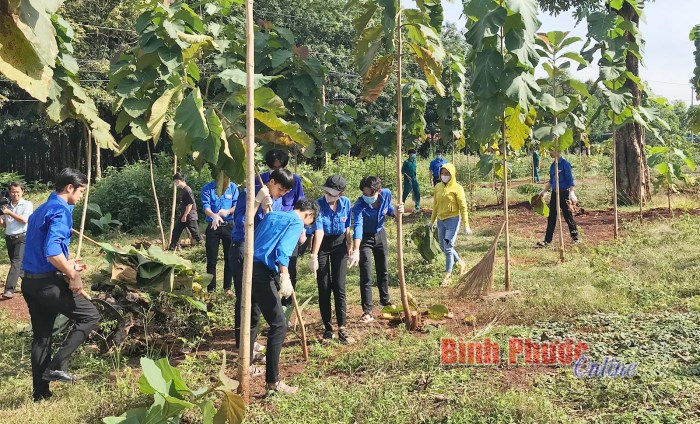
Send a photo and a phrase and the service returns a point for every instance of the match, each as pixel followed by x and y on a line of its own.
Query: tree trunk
pixel 174 204
pixel 505 203
pixel 633 182
pixel 155 196
pixel 246 289
pixel 98 164
pixel 399 177
pixel 615 179
pixel 88 146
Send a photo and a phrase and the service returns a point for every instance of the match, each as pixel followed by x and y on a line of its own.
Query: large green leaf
pixel 431 64
pixel 232 409
pixel 521 88
pixel 290 129
pixel 487 71
pixel 208 148
pixel 20 63
pixel 190 123
pixel 234 79
pixel 159 112
pixel 153 376
pixel 516 130
pixel 528 10
pixel 486 26
pixel 265 99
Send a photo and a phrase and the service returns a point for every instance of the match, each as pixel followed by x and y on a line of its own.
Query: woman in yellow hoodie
pixel 449 209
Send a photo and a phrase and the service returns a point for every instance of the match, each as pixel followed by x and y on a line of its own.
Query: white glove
pixel 542 193
pixel 266 204
pixel 313 263
pixel 433 225
pixel 468 231
pixel 572 197
pixel 400 208
pixel 262 194
pixel 216 221
pixel 224 212
pixel 355 258
pixel 286 288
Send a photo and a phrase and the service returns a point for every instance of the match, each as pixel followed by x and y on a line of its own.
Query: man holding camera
pixel 14 217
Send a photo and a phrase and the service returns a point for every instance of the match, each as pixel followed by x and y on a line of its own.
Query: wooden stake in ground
pixel 88 162
pixel 399 178
pixel 155 195
pixel 174 204
pixel 505 204
pixel 244 340
pixel 614 170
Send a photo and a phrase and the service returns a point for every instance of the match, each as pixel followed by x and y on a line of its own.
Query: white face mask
pixel 329 198
pixel 445 178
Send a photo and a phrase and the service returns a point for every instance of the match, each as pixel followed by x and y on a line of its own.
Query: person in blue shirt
pixel 219 211
pixel 51 284
pixel 369 240
pixel 279 159
pixel 275 240
pixel 331 247
pixel 435 166
pixel 410 179
pixel 566 196
pixel 536 165
pixel 268 197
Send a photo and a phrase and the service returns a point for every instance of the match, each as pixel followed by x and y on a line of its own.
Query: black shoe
pixel 344 336
pixel 58 375
pixel 328 335
pixel 38 397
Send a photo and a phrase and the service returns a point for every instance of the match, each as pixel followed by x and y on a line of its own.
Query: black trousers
pixel 236 262
pixel 374 245
pixel 265 300
pixel 221 235
pixel 47 298
pixel 566 212
pixel 330 277
pixel 191 225
pixel 15 251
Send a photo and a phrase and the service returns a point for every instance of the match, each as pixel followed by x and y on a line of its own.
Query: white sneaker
pixel 366 318
pixel 281 387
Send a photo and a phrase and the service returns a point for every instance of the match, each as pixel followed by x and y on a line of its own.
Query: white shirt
pixel 23 208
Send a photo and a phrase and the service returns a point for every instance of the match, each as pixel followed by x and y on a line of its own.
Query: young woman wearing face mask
pixel 368 215
pixel 449 209
pixel 331 247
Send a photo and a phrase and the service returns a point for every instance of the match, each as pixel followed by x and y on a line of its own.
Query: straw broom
pixel 479 279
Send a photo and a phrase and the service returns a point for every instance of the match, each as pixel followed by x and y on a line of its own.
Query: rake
pixel 479 279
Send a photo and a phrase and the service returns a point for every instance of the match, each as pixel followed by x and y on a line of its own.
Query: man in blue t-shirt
pixel 275 240
pixel 51 284
pixel 369 240
pixel 219 209
pixel 269 197
pixel 566 195
pixel 435 166
pixel 279 159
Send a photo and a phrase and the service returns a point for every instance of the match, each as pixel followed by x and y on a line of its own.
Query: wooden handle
pixel 304 347
pixel 86 237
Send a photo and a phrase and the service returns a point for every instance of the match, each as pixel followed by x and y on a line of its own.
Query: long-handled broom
pixel 479 279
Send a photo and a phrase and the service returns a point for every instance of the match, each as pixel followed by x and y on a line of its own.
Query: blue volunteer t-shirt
pixel 566 175
pixel 276 238
pixel 238 231
pixel 435 166
pixel 367 219
pixel 291 198
pixel 48 234
pixel 211 200
pixel 334 222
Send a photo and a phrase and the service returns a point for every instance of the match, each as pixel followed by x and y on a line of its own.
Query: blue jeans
pixel 447 233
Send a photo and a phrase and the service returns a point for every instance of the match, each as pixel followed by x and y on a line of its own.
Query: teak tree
pixel 381 30
pixel 502 36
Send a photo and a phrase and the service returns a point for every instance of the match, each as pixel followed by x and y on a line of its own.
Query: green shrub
pixel 528 189
pixel 126 192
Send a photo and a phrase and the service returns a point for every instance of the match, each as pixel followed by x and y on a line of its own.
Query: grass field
pixel 636 299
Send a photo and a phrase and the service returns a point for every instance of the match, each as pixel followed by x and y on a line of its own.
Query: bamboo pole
pixel 98 163
pixel 641 182
pixel 505 204
pixel 399 185
pixel 614 169
pixel 155 195
pixel 88 161
pixel 174 204
pixel 244 342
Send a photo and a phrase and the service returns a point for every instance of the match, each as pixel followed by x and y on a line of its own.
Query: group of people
pixel 344 233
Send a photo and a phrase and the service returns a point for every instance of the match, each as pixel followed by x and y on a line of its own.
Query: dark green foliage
pixel 126 193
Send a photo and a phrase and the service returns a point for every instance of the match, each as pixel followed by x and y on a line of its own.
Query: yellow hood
pixel 453 172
